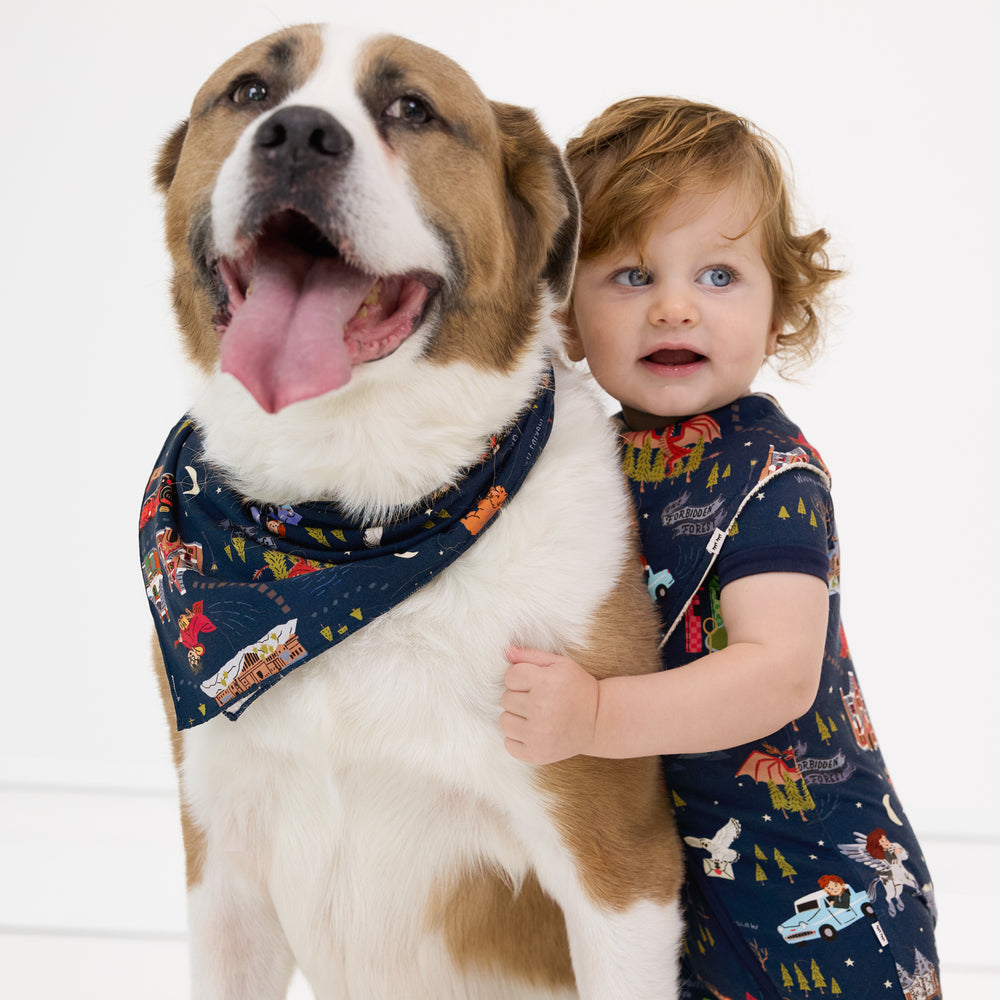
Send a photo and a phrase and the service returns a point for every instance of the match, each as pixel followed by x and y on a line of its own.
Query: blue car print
pixel 815 917
pixel 657 583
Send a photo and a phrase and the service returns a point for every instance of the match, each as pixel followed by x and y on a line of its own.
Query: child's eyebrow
pixel 731 246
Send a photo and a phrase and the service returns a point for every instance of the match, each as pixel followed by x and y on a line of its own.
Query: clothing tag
pixel 715 542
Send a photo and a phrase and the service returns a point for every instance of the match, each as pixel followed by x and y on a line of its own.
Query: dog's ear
pixel 170 154
pixel 542 197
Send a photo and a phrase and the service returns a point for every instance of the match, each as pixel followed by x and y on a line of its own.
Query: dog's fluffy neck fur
pixel 421 431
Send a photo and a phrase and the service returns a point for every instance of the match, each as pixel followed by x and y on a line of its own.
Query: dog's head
pixel 333 200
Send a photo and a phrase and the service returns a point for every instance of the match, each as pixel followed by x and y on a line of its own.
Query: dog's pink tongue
pixel 286 341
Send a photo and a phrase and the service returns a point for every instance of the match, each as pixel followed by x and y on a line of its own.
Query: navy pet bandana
pixel 242 593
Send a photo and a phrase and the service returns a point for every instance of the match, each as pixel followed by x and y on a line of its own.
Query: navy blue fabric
pixel 766 823
pixel 242 593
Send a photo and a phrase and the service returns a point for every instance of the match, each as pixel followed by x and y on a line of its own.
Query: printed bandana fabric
pixel 242 593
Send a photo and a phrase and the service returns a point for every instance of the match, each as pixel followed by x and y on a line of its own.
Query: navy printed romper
pixel 804 878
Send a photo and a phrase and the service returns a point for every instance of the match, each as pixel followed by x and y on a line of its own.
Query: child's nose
pixel 674 306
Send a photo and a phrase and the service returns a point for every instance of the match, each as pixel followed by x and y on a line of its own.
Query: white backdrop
pixel 889 118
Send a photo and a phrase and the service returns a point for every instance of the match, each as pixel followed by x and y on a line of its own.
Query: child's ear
pixel 570 337
pixel 771 346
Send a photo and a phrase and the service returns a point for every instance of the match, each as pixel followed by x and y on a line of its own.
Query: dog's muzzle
pixel 299 311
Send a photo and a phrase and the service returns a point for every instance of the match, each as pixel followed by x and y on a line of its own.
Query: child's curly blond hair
pixel 636 157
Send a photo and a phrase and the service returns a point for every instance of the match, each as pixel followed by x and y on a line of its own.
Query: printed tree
pixel 801 981
pixel 693 461
pixel 801 509
pixel 644 468
pixel 807 798
pixel 713 477
pixel 824 732
pixel 240 544
pixel 835 988
pixel 317 533
pixel 678 801
pixel 778 800
pixel 786 976
pixel 628 463
pixel 725 475
pixel 818 981
pixel 832 725
pixel 278 564
pixel 797 796
pixel 783 513
pixel 787 871
pixel 694 458
pixel 760 856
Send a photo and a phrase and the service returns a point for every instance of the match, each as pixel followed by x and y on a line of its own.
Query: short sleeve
pixel 785 527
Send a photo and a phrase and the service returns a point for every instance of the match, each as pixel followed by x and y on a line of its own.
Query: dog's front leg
pixel 237 948
pixel 616 873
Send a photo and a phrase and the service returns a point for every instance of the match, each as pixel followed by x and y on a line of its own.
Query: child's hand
pixel 550 707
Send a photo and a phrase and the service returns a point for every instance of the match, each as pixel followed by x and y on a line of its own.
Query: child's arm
pixel 766 676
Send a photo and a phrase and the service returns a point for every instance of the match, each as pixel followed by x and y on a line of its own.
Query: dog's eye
pixel 250 91
pixel 410 109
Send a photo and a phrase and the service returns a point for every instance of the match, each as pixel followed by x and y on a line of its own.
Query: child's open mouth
pixel 674 358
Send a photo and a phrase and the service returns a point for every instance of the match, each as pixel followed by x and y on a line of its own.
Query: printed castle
pixel 254 668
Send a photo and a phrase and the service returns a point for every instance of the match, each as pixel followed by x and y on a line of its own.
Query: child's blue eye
pixel 634 277
pixel 716 277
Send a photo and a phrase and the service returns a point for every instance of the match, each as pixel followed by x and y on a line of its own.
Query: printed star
pixel 857 805
pixel 850 962
pixel 747 444
pixel 812 857
pixel 760 496
pixel 887 985
pixel 766 818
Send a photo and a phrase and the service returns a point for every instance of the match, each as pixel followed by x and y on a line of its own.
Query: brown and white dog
pixel 363 819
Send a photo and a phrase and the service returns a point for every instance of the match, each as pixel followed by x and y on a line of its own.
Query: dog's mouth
pixel 298 314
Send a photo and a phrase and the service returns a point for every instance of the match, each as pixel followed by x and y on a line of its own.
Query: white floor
pixel 92 903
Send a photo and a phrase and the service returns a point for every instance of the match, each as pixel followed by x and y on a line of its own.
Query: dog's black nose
pixel 300 130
